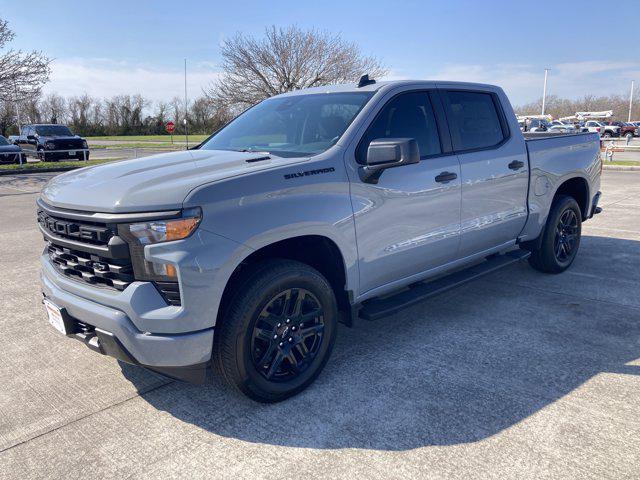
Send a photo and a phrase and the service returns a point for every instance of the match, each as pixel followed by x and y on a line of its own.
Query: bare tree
pixel 53 108
pixel 287 59
pixel 21 74
pixel 7 116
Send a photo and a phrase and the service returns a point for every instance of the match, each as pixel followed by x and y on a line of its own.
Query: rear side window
pixel 474 120
pixel 408 115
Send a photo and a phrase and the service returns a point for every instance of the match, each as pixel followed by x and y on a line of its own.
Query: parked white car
pixel 605 131
pixel 562 127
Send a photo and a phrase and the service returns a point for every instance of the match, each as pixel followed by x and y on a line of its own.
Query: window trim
pixel 504 125
pixel 442 128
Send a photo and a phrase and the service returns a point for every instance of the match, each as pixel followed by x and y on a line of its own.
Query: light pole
pixel 630 101
pixel 186 127
pixel 544 90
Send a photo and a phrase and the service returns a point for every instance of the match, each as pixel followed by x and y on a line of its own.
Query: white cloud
pixel 105 78
pixel 523 82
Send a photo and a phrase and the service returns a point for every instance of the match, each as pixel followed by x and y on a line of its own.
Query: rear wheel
pixel 561 237
pixel 607 135
pixel 278 331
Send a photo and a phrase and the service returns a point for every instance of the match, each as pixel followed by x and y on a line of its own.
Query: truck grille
pixel 92 269
pixel 92 252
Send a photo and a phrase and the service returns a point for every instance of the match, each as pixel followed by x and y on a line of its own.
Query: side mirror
pixel 386 153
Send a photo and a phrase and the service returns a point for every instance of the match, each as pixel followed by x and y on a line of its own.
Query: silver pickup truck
pixel 311 208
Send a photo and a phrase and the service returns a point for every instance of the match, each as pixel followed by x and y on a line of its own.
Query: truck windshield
pixel 293 126
pixel 53 130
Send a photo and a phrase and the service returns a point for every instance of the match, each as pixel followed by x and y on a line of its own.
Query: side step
pixel 381 307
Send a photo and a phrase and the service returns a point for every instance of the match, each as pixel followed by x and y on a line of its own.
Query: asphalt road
pixel 517 375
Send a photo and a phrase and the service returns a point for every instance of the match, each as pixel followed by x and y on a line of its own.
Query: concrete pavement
pixel 517 375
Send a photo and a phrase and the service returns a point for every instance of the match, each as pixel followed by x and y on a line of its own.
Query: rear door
pixel 408 222
pixel 494 169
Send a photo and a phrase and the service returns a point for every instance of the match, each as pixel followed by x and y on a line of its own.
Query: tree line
pixel 564 107
pixel 118 115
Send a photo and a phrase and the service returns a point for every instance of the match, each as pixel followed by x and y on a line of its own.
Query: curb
pixel 622 168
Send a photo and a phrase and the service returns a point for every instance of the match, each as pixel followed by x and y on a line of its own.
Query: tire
pixel 607 135
pixel 629 136
pixel 82 158
pixel 260 343
pixel 559 244
pixel 41 155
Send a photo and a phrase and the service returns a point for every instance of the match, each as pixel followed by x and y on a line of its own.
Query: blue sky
pixel 138 46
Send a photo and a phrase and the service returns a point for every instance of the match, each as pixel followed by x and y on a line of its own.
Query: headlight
pixel 85 145
pixel 138 235
pixel 157 231
pixel 49 145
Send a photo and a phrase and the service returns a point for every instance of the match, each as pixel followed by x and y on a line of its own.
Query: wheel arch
pixel 317 251
pixel 578 188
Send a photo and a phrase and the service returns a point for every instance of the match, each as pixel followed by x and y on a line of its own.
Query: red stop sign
pixel 170 126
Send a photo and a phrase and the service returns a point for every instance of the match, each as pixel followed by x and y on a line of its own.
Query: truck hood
pixel 158 182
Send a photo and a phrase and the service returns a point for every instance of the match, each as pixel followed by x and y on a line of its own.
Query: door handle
pixel 446 177
pixel 516 165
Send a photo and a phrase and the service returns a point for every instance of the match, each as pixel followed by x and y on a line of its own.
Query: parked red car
pixel 625 128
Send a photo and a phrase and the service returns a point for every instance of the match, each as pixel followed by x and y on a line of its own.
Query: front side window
pixel 474 120
pixel 293 126
pixel 408 115
pixel 3 141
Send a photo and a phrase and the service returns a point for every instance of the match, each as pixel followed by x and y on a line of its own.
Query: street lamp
pixel 544 90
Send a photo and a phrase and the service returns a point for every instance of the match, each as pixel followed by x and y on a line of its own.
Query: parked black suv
pixel 52 142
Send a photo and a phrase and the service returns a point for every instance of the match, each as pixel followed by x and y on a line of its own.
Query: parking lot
pixel 517 375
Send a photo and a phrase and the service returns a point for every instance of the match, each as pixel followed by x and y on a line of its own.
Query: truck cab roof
pixel 379 85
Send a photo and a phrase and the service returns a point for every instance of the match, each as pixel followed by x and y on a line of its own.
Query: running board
pixel 381 307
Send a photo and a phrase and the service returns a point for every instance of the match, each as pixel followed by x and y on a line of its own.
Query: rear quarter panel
pixel 554 160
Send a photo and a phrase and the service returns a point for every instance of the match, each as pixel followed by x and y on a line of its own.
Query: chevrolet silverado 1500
pixel 310 208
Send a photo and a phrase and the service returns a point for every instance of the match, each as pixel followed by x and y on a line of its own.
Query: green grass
pixel 44 165
pixel 119 145
pixel 150 138
pixel 623 162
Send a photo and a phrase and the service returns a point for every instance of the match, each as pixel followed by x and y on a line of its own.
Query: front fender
pixel 260 209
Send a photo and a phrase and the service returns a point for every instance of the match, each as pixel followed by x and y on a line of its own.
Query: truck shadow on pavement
pixel 454 369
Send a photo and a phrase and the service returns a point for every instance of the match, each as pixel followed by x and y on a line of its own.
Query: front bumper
pixel 111 332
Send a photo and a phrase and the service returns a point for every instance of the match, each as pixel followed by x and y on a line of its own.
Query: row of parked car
pixel 48 142
pixel 605 129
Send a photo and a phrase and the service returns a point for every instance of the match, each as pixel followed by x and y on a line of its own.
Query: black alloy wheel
pixel 287 335
pixel 277 332
pixel 556 250
pixel 566 236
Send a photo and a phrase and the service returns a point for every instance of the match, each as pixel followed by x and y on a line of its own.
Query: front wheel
pixel 561 237
pixel 278 331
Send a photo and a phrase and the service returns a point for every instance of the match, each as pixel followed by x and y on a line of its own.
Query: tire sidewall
pixel 564 204
pixel 251 379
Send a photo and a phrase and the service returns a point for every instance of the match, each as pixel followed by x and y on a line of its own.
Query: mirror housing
pixel 386 153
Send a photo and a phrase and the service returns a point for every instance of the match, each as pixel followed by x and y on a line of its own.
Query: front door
pixel 409 221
